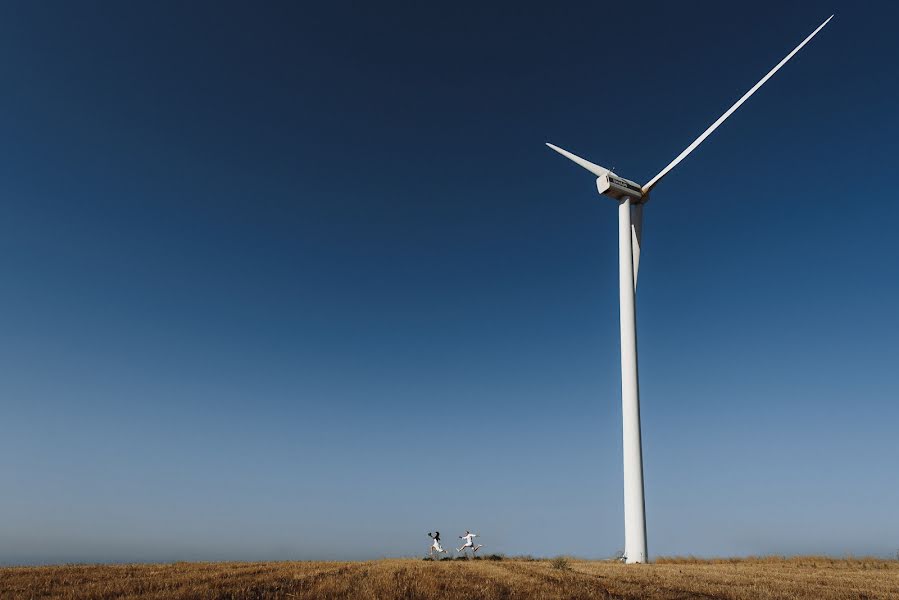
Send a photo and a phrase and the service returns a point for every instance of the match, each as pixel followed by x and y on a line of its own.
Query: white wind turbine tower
pixel 631 197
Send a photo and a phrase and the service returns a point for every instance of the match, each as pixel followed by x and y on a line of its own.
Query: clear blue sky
pixel 304 282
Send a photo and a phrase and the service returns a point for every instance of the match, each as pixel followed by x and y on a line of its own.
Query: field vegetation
pixel 818 578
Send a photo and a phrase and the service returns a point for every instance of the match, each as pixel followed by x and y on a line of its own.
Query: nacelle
pixel 618 188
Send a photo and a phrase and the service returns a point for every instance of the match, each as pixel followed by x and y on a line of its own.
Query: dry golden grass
pixel 816 578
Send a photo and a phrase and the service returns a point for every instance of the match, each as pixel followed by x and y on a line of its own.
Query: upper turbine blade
pixel 736 105
pixel 595 169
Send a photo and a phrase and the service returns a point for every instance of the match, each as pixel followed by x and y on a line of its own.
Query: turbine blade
pixel 595 169
pixel 730 111
pixel 636 238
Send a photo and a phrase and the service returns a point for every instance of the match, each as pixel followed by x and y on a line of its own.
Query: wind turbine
pixel 631 197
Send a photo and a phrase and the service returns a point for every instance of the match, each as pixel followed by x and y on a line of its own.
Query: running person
pixel 469 543
pixel 435 547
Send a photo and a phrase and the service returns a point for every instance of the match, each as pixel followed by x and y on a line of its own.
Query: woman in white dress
pixel 435 547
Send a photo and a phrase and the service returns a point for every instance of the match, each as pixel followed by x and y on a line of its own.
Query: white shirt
pixel 468 537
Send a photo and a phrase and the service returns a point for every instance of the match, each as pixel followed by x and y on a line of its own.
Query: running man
pixel 435 547
pixel 469 543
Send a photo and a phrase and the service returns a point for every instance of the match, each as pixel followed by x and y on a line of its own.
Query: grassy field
pixel 805 577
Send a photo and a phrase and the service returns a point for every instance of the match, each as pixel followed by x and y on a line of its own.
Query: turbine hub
pixel 619 188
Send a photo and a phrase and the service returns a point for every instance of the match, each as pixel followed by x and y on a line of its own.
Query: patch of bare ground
pixel 818 578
